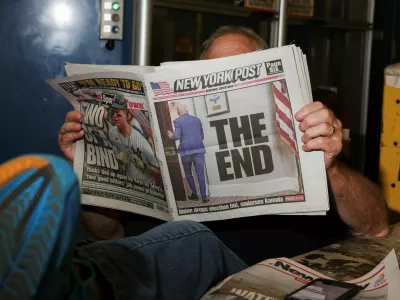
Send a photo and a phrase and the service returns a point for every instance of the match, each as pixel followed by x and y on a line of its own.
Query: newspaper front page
pixel 275 278
pixel 229 141
pixel 116 161
pixel 303 73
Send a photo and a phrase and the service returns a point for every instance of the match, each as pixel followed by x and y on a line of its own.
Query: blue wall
pixel 37 38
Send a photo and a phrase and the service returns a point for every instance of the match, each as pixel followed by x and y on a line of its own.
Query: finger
pixel 70 127
pixel 321 116
pixel 329 146
pixel 73 116
pixel 323 129
pixel 69 138
pixel 308 109
pixel 337 123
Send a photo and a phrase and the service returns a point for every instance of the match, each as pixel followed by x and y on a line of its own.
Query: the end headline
pixel 250 155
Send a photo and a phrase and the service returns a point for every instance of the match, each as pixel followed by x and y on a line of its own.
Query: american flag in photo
pixel 161 88
pixel 284 115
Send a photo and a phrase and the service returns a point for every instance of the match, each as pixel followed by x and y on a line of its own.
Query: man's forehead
pixel 229 45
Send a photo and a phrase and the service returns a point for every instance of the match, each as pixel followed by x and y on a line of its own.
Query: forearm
pixel 359 202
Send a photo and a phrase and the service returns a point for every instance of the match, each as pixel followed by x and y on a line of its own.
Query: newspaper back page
pixel 116 160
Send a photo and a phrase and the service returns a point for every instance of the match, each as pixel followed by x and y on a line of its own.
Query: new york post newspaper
pixel 116 160
pixel 227 138
pixel 274 278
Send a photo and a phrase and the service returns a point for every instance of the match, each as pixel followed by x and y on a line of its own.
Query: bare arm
pixel 359 202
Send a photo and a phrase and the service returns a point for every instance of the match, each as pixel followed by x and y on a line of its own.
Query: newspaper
pixel 202 140
pixel 274 278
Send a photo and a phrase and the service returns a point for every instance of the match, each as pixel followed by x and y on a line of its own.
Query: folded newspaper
pixel 274 278
pixel 204 140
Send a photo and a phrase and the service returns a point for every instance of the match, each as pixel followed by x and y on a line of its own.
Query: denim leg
pixel 178 260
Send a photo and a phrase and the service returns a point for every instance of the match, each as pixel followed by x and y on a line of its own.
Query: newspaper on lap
pixel 204 140
pixel 274 278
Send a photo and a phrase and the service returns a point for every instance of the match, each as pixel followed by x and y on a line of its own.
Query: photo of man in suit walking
pixel 189 131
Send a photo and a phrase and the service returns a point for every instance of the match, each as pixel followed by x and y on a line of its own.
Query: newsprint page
pixel 204 140
pixel 116 161
pixel 274 278
pixel 229 142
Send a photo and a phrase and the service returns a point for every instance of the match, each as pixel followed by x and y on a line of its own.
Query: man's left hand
pixel 322 130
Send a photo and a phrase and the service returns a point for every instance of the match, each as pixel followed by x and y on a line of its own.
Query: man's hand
pixel 69 133
pixel 170 134
pixel 322 130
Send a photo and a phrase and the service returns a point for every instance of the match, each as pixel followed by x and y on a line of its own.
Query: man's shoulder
pixel 187 118
pixel 178 119
pixel 113 132
pixel 137 136
pixel 192 118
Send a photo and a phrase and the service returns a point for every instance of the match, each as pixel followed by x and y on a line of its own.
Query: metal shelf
pixel 204 7
pixel 230 10
pixel 330 23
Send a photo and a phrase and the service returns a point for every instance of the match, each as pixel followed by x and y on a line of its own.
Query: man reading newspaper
pixel 358 203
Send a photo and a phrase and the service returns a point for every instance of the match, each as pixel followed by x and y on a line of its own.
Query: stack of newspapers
pixel 200 140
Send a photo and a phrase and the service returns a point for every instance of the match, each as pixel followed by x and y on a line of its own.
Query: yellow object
pixel 18 165
pixel 389 161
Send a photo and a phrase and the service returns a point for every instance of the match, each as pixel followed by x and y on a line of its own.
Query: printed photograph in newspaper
pixel 232 144
pixel 119 154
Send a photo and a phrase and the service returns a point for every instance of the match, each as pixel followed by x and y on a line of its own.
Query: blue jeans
pixel 198 161
pixel 177 260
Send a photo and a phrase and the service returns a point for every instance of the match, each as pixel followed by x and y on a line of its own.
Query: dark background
pixel 35 47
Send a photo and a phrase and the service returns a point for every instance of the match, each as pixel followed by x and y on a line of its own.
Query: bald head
pixel 182 109
pixel 230 41
pixel 230 45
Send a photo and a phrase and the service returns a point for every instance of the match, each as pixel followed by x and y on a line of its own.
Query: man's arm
pixel 149 158
pixel 178 131
pixel 359 202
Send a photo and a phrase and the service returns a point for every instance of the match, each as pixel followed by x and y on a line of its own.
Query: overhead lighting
pixel 61 14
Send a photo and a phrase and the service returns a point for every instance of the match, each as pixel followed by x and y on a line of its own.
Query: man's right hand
pixel 170 134
pixel 69 133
